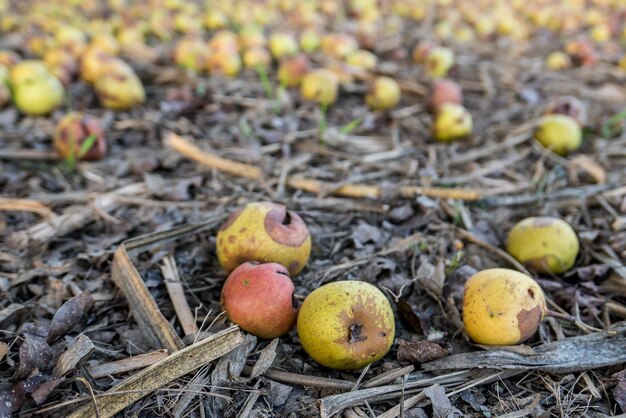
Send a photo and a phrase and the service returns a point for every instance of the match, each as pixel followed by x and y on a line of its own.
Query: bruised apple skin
pixel 259 298
pixel 346 325
pixel 265 232
pixel 502 307
pixel 543 243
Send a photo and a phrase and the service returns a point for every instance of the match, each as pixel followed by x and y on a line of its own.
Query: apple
pixel 291 71
pixel 445 91
pixel 384 93
pixel 560 133
pixel 265 232
pixel 118 87
pixel 558 60
pixel 452 121
pixel 105 42
pixel 191 53
pixel 72 131
pixel 252 37
pixel 256 57
pixel 310 40
pixel 320 85
pixel 214 19
pixel 93 62
pixel 27 70
pixel 259 298
pixel 38 96
pixel 71 39
pixel 543 243
pixel 346 325
pixel 338 45
pixel 502 307
pixel 421 51
pixel 362 58
pixel 439 61
pixel 224 40
pixel 60 58
pixel 282 44
pixel 224 62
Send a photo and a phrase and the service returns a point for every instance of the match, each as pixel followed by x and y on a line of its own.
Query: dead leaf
pixel 619 393
pixel 365 233
pixel 431 278
pixel 408 317
pixel 265 359
pixel 418 352
pixel 594 272
pixel 68 315
pixel 279 393
pixel 35 353
pixel 442 407
pixel 45 389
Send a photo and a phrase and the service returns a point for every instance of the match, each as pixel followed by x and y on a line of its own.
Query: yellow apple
pixel 502 307
pixel 346 325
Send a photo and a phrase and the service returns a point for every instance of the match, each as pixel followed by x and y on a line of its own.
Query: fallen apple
pixel 346 325
pixel 444 91
pixel 559 133
pixel 71 133
pixel 38 96
pixel 452 121
pixel 118 87
pixel 439 61
pixel 545 244
pixel 265 232
pixel 27 70
pixel 282 44
pixel 502 307
pixel 291 71
pixel 320 85
pixel 224 62
pixel 384 93
pixel 259 298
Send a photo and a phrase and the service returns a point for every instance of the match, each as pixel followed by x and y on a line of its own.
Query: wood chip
pixel 26 205
pixel 77 353
pixel 573 354
pixel 126 365
pixel 162 373
pixel 156 327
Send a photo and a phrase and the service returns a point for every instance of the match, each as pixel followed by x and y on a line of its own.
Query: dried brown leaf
pixel 68 315
pixel 619 393
pixel 418 352
pixel 35 353
pixel 408 317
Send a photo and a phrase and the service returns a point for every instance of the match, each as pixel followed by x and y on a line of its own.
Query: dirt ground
pixel 420 249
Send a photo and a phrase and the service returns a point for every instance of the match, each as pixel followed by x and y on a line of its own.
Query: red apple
pixel 259 298
pixel 445 91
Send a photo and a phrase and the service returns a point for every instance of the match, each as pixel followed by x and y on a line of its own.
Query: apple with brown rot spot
pixel 259 298
pixel 266 232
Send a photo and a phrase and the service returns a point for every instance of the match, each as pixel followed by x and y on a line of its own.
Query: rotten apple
pixel 265 232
